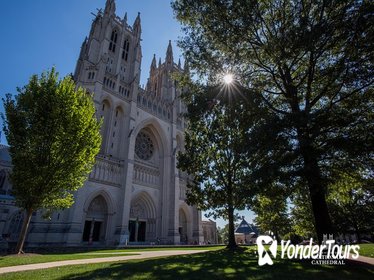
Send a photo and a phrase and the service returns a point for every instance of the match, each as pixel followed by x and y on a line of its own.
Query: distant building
pixel 209 232
pixel 135 193
pixel 246 233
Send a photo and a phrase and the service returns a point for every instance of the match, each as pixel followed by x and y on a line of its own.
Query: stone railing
pixel 146 175
pixel 107 171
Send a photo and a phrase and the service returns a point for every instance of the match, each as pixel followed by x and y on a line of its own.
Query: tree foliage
pixel 311 62
pixel 54 137
pixel 351 202
pixel 215 153
pixel 302 214
pixel 272 214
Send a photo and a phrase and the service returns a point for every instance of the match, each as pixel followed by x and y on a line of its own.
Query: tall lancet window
pixel 105 114
pixel 113 41
pixel 116 131
pixel 125 52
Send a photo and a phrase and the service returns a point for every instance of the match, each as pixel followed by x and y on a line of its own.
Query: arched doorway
pixel 15 225
pixel 96 220
pixel 183 232
pixel 142 223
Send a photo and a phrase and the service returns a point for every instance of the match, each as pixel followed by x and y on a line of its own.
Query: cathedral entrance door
pixel 96 220
pixel 91 230
pixel 137 231
pixel 183 227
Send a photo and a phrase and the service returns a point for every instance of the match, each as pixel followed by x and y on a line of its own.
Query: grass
pixel 367 250
pixel 210 248
pixel 215 264
pixel 12 260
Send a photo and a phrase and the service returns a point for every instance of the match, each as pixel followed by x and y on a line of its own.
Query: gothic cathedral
pixel 135 193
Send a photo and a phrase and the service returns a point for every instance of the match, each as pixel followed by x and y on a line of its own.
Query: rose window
pixel 144 146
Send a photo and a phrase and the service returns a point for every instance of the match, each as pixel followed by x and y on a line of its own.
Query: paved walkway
pixel 363 260
pixel 141 255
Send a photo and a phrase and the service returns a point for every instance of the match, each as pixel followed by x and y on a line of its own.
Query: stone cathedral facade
pixel 135 193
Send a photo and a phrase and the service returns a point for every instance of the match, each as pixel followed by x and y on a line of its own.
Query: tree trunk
pixel 22 236
pixel 277 236
pixel 232 243
pixel 358 233
pixel 323 224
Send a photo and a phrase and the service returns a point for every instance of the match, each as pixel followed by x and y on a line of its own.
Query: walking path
pixel 141 255
pixel 363 260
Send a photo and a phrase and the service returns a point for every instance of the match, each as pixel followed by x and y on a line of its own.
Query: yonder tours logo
pixel 326 253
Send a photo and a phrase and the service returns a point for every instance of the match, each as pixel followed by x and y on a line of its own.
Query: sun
pixel 228 79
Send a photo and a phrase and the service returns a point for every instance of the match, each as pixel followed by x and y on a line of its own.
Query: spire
pixel 179 63
pixel 153 65
pixel 137 26
pixel 125 18
pixel 110 7
pixel 169 54
pixel 159 62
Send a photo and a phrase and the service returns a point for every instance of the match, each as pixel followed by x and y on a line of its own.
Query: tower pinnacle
pixel 110 7
pixel 169 54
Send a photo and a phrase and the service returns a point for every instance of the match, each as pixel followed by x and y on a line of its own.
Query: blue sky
pixel 39 34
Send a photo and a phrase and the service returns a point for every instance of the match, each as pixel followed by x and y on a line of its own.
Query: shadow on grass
pixel 222 264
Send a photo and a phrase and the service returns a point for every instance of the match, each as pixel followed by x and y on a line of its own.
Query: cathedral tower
pixel 142 132
pixel 135 193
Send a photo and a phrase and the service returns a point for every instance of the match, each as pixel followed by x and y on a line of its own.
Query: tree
pixel 272 214
pixel 351 201
pixel 54 137
pixel 311 62
pixel 215 155
pixel 302 214
pixel 223 233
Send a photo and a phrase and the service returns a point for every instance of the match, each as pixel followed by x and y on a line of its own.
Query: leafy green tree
pixel 223 233
pixel 351 202
pixel 54 137
pixel 311 62
pixel 302 214
pixel 215 155
pixel 272 214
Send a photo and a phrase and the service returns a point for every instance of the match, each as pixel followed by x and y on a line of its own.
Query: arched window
pixel 113 41
pixel 116 131
pixel 144 146
pixel 105 114
pixel 125 52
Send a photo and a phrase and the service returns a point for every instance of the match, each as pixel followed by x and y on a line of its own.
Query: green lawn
pixel 218 264
pixel 12 260
pixel 367 250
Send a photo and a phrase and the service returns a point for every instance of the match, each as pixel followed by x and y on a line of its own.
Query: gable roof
pixel 246 228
